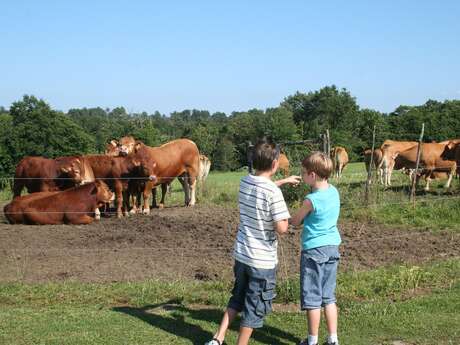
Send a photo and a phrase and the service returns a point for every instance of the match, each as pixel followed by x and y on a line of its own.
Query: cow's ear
pixel 114 143
pixel 450 145
pixel 137 145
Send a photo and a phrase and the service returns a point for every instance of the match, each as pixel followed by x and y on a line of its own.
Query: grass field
pixel 411 304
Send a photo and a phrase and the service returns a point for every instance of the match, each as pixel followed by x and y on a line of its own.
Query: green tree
pixel 41 131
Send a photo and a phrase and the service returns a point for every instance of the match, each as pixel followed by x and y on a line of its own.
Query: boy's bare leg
pixel 244 336
pixel 227 319
pixel 330 311
pixel 313 316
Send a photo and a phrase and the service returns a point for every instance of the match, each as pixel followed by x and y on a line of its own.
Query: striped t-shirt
pixel 261 204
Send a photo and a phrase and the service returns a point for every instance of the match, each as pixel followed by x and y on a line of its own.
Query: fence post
pixel 414 175
pixel 328 138
pixel 324 138
pixel 369 173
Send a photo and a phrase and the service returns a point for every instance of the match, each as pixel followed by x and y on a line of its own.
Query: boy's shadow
pixel 173 321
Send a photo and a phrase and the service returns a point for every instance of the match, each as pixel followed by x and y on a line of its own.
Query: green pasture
pixel 417 305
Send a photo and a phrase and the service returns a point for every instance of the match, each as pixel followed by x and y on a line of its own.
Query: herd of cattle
pixel 72 189
pixel 437 160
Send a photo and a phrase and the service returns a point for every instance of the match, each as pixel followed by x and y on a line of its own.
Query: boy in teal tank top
pixel 320 247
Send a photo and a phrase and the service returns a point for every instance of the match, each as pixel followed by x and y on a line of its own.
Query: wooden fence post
pixel 328 138
pixel 369 173
pixel 414 175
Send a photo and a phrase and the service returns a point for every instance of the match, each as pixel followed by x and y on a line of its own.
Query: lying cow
pixel 339 158
pixel 377 159
pixel 39 174
pixel 72 206
pixel 434 157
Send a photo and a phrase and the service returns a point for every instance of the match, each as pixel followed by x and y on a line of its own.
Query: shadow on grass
pixel 171 317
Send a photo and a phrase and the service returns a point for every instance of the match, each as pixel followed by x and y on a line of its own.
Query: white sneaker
pixel 213 342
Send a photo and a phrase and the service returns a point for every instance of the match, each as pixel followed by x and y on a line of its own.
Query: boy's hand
pixel 293 179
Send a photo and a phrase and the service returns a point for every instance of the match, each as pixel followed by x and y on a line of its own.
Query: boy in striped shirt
pixel 263 214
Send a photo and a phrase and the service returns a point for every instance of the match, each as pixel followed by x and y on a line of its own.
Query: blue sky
pixel 227 55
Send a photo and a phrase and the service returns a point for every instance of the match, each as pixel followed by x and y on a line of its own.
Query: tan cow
pixel 434 157
pixel 205 166
pixel 339 158
pixel 283 164
pixel 178 158
pixel 389 149
pixel 377 159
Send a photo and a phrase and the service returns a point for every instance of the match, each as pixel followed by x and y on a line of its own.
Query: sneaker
pixel 213 341
pixel 305 342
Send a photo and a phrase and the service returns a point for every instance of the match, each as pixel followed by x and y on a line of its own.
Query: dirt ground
pixel 186 243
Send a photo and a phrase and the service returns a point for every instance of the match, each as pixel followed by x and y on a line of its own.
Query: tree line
pixel 31 127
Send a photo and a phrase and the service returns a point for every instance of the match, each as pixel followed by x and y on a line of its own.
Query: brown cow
pixel 389 150
pixel 116 171
pixel 72 206
pixel 178 158
pixel 112 149
pixel 377 158
pixel 339 158
pixel 434 157
pixel 39 174
pixel 283 164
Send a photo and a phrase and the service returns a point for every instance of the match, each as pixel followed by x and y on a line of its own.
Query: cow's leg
pixel 97 214
pixel 78 219
pixel 119 197
pixel 193 192
pixel 17 187
pixel 164 190
pixel 126 196
pixel 154 198
pixel 183 179
pixel 34 216
pixel 451 173
pixel 146 194
pixel 428 180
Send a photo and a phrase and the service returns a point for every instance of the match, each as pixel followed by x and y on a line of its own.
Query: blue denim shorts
pixel 318 276
pixel 253 293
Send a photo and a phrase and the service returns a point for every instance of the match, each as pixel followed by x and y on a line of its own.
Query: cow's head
pixel 451 151
pixel 143 159
pixel 103 193
pixel 126 145
pixel 71 167
pixel 112 148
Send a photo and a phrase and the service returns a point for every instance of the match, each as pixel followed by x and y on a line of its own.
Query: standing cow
pixel 339 158
pixel 376 158
pixel 39 174
pixel 178 158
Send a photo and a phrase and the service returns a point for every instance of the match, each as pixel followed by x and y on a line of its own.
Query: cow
pixel 377 159
pixel 339 158
pixel 112 148
pixel 72 206
pixel 283 164
pixel 116 171
pixel 434 157
pixel 205 166
pixel 389 149
pixel 179 158
pixel 39 174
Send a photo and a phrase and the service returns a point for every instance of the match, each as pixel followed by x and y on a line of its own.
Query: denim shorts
pixel 252 293
pixel 318 275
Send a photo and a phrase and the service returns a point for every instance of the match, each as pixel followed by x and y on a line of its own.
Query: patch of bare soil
pixel 187 243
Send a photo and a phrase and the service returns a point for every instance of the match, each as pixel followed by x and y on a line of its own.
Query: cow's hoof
pixel 161 206
pixel 97 218
pixel 119 215
pixel 125 214
pixel 146 211
pixel 133 211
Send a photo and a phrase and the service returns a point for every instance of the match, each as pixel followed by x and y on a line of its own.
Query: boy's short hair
pixel 265 152
pixel 319 163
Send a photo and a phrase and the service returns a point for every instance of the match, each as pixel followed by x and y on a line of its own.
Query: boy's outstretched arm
pixel 301 213
pixel 282 226
pixel 293 179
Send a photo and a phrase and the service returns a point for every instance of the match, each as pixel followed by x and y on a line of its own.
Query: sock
pixel 332 338
pixel 312 339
